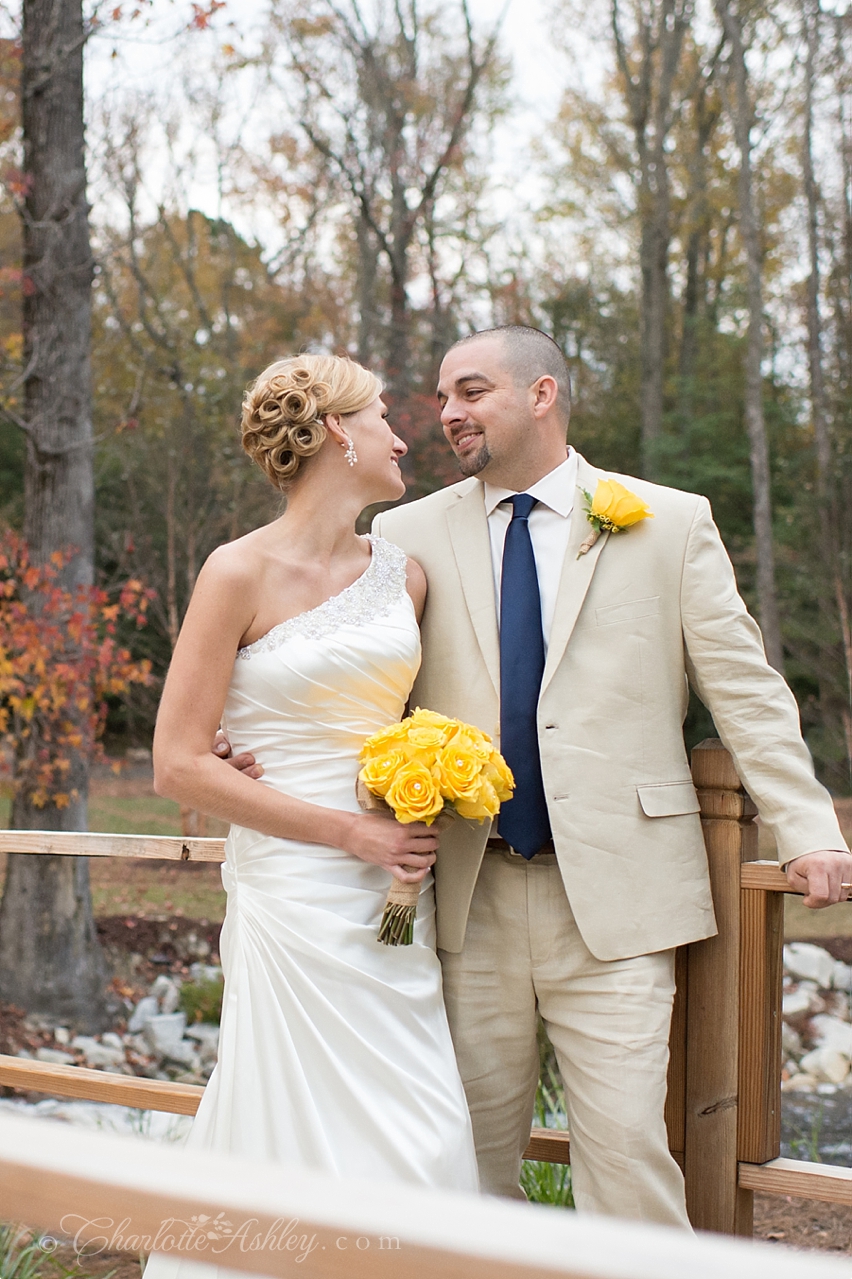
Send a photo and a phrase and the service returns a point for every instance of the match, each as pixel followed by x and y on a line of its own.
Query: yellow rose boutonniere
pixel 612 510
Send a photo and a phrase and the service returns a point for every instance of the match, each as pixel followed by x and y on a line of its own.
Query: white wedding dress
pixel 334 1052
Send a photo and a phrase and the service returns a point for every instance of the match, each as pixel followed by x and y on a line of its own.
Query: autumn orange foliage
pixel 59 661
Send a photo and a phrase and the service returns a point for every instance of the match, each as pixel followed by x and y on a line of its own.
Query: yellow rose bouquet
pixel 420 769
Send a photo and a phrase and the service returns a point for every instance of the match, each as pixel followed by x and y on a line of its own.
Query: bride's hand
pixel 406 851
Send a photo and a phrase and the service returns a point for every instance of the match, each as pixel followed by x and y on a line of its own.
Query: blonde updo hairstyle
pixel 283 410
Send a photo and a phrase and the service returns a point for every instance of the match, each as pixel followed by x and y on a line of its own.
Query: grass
pixel 27 1255
pixel 156 890
pixel 22 1254
pixel 816 925
pixel 806 1145
pixel 123 816
pixel 135 887
pixel 202 1000
pixel 546 1183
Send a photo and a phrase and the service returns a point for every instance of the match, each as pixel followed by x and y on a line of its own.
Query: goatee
pixel 475 463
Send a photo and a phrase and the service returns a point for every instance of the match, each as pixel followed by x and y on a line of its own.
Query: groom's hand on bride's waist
pixel 406 851
pixel 244 763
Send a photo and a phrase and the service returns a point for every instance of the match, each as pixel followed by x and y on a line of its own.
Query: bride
pixel 301 639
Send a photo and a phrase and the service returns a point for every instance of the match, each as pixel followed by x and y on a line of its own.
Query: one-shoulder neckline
pixel 326 613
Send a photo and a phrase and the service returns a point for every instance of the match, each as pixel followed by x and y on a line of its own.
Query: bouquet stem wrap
pixel 397 926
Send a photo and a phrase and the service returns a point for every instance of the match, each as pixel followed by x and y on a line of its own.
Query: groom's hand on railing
pixel 244 763
pixel 825 877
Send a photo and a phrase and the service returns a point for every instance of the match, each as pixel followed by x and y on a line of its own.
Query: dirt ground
pixel 801 1223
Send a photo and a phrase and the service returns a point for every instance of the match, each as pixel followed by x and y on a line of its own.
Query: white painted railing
pixel 124 1193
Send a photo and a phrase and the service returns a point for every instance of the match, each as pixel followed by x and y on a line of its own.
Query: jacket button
pixel 551 726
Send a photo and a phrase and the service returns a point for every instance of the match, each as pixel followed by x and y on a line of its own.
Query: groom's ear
pixel 544 393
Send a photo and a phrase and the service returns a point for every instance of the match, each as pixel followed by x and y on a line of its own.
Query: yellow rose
pixel 486 803
pixel 386 739
pixel 413 795
pixel 616 507
pixel 471 739
pixel 421 718
pixel 427 737
pixel 500 776
pixel 457 769
pixel 378 773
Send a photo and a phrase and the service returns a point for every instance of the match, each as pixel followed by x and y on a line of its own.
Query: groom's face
pixel 486 417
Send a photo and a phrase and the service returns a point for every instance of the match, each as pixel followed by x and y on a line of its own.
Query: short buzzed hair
pixel 531 354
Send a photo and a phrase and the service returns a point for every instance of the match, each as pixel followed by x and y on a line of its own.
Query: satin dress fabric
pixel 334 1051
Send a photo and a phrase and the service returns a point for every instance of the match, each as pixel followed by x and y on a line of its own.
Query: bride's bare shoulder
pixel 238 561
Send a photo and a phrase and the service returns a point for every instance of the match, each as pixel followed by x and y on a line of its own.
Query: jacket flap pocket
pixel 668 799
pixel 629 611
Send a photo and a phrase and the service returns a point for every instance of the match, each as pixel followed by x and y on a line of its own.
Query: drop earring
pixel 350 454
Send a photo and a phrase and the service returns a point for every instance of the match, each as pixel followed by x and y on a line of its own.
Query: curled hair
pixel 284 409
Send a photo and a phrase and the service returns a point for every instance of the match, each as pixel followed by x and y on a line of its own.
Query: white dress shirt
pixel 550 526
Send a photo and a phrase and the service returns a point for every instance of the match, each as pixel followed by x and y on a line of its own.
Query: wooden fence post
pixel 761 977
pixel 714 1200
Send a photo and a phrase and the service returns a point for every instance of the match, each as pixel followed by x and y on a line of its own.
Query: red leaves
pixel 201 14
pixel 59 660
pixel 17 182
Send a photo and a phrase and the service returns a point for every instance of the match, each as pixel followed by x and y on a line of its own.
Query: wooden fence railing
pixel 109 1193
pixel 724 1098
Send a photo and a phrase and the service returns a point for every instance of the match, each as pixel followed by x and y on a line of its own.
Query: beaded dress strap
pixel 370 596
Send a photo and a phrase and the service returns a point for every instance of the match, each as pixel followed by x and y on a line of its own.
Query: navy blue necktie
pixel 524 822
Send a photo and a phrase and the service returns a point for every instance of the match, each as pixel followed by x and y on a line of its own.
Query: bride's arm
pixel 187 770
pixel 415 584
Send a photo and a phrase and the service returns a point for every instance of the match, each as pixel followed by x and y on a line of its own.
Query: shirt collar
pixel 555 490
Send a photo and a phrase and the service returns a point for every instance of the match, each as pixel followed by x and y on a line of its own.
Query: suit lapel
pixel 577 572
pixel 468 527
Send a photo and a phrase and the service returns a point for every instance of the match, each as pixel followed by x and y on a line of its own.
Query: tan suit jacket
pixel 640 615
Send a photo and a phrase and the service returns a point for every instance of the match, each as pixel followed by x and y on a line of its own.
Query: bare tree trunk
pixel 399 338
pixel 648 80
pixel 832 593
pixel 742 113
pixel 700 219
pixel 393 144
pixel 653 257
pixel 368 274
pixel 811 17
pixel 50 960
pixel 171 555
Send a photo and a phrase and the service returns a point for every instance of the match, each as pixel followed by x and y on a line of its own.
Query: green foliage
pixel 21 1254
pixel 24 1255
pixel 546 1183
pixel 806 1144
pixel 202 1000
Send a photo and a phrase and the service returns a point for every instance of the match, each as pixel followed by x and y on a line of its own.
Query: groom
pixel 573 904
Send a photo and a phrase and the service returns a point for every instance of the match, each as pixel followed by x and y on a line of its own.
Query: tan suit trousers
pixel 608 1022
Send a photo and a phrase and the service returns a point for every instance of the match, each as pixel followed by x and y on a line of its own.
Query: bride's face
pixel 378 451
